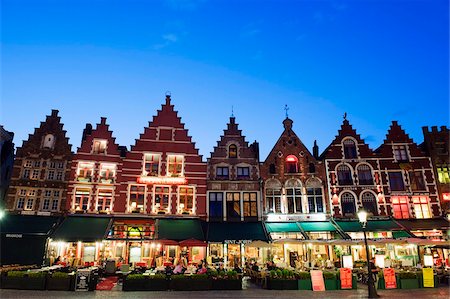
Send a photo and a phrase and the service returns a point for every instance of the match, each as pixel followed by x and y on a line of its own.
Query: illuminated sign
pixel 162 180
pixel 446 196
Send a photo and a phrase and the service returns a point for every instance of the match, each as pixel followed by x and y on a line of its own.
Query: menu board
pixel 389 278
pixel 82 280
pixel 346 278
pixel 428 278
pixel 317 280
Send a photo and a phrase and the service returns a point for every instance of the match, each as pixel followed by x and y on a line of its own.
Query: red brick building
pixel 41 170
pixel 407 177
pixel 93 186
pixel 163 173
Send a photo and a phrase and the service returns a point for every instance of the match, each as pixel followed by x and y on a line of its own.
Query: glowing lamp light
pixel 380 198
pixel 446 196
pixel 335 199
pixel 2 214
pixel 362 216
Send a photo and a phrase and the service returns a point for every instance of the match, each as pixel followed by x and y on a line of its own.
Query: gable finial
pixel 345 115
pixel 232 111
pixel 286 108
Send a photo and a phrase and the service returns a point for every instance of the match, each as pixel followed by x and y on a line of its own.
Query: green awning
pixel 221 231
pixel 27 225
pixel 372 226
pixel 317 226
pixel 180 229
pixel 401 234
pixel 425 224
pixel 85 229
pixel 282 227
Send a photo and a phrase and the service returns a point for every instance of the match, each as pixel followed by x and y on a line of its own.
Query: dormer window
pixel 175 165
pixel 232 151
pixel 99 146
pixel 49 141
pixel 151 164
pixel 291 164
pixel 85 171
pixel 400 153
pixel 349 149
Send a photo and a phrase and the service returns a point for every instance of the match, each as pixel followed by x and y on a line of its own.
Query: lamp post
pixel 362 216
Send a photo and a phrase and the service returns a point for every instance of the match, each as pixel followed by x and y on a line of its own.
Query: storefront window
pixel 421 208
pixel 250 205
pixel 233 205
pixel 216 252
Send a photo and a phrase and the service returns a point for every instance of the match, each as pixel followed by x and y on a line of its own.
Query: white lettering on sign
pixel 19 236
pixel 237 241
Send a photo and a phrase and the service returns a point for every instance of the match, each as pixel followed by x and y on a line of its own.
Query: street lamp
pixel 362 216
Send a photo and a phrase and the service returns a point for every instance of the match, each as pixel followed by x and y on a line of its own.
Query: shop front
pixel 230 243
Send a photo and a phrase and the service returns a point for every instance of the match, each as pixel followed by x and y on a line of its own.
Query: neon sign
pixel 162 180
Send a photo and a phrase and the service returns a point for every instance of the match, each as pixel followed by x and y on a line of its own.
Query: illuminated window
pixel 26 173
pixel 51 200
pixel 396 181
pixel 344 175
pixel 222 172
pixel 348 204
pixel 175 165
pixel 315 197
pixel 400 207
pixel 82 197
pixel 294 196
pixel 161 197
pixel 364 175
pixel 48 141
pixel 216 205
pixel 291 164
pixel 400 153
pixel 233 205
pixel 250 205
pixel 85 171
pixel 243 172
pixel 349 149
pixel 369 203
pixel 443 175
pixel 30 204
pixel 104 200
pixel 26 199
pixel 99 146
pixel 136 199
pixel 35 174
pixel 232 151
pixel 421 207
pixel 416 180
pixel 186 200
pixel 28 164
pixel 151 164
pixel 273 196
pixel 22 193
pixel 107 173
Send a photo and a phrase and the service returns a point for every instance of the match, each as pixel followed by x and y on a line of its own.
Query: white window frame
pixel 144 156
pixel 101 142
pixel 194 202
pixel 144 208
pixel 168 173
pixel 155 209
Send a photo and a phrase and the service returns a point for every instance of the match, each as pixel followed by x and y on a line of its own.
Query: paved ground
pixel 441 292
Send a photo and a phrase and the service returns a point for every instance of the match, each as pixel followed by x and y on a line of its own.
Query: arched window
pixel 273 196
pixel 349 149
pixel 344 175
pixel 291 164
pixel 49 141
pixel 369 203
pixel 364 175
pixel 232 151
pixel 294 196
pixel 348 204
pixel 315 197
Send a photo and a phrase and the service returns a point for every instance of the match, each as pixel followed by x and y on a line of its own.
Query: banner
pixel 390 282
pixel 317 280
pixel 346 278
pixel 428 278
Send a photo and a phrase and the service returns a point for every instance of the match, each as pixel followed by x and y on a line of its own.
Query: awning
pixel 180 229
pixel 235 231
pixel 282 227
pixel 401 234
pixel 193 243
pixel 82 228
pixel 425 224
pixel 372 226
pixel 28 225
pixel 317 226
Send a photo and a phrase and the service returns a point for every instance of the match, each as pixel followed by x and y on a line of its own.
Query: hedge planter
pixel 282 284
pixel 412 283
pixel 304 284
pixel 190 283
pixel 59 283
pixel 331 284
pixel 354 282
pixel 139 282
pixel 227 284
pixel 12 282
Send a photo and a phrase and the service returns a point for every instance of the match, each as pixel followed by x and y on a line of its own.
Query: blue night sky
pixel 376 60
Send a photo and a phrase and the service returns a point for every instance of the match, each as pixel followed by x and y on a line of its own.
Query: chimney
pixel 123 151
pixel 54 112
pixel 86 131
pixel 103 120
pixel 315 150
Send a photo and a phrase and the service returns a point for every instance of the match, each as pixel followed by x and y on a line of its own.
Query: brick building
pixel 41 170
pixel 6 162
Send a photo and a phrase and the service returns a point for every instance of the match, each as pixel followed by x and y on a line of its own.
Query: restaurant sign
pixel 346 278
pixel 428 278
pixel 162 180
pixel 18 236
pixel 237 241
pixel 317 281
pixel 389 278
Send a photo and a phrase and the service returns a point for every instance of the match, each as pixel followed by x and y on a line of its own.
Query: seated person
pixel 202 270
pixel 179 268
pixel 237 269
pixel 221 269
pixel 255 267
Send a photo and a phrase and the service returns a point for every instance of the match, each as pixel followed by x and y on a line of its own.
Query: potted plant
pixel 330 279
pixel 34 280
pixel 282 279
pixel 157 282
pixel 229 280
pixel 194 282
pixel 304 280
pixel 59 281
pixel 408 280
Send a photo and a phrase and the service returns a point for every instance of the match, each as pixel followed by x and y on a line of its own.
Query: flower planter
pixel 227 284
pixel 304 284
pixel 189 284
pixel 331 284
pixel 282 284
pixel 412 283
pixel 59 284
